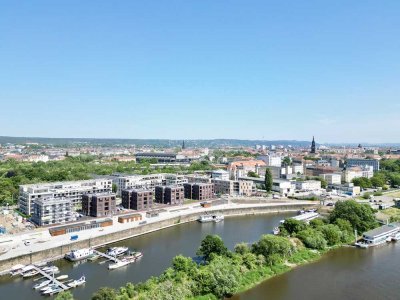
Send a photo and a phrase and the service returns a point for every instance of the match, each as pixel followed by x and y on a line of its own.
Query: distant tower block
pixel 313 146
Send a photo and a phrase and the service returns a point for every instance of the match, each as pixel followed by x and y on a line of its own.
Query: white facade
pixel 333 178
pixel 283 186
pixel 271 160
pixel 308 185
pixel 356 172
pixel 220 174
pixel 72 190
pixel 52 211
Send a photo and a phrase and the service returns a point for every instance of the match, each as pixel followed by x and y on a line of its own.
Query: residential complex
pixel 172 195
pixel 352 162
pixel 199 191
pixel 72 190
pixel 99 205
pixel 52 211
pixel 137 199
pixel 234 187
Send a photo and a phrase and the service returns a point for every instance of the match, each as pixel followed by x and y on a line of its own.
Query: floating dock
pixel 109 257
pixel 50 277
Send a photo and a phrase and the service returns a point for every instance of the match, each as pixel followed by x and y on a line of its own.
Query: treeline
pixel 13 173
pixel 222 273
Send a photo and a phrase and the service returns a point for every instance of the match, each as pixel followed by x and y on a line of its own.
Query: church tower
pixel 183 145
pixel 313 146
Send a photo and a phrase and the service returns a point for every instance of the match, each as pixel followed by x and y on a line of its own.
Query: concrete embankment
pixel 59 251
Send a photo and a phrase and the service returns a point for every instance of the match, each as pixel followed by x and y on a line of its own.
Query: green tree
pixel 332 234
pixel 270 244
pixel 184 264
pixel 293 226
pixel 105 293
pixel 268 180
pixel 360 216
pixel 312 238
pixel 65 295
pixel 242 248
pixel 378 180
pixel 252 174
pixel 362 182
pixel 114 188
pixel 212 244
pixel 287 161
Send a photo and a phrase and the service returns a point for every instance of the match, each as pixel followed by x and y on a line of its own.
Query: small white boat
pixel 218 218
pixel 49 287
pixel 52 291
pixel 276 231
pixel 30 274
pixel 389 239
pixel 138 255
pixel 396 237
pixel 116 251
pixel 62 277
pixel 119 264
pixel 42 284
pixel 77 282
pixel 362 245
pixel 51 269
pixel 211 218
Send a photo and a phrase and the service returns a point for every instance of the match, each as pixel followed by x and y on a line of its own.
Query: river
pixel 158 248
pixel 345 273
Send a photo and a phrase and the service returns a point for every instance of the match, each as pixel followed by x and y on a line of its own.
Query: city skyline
pixel 190 70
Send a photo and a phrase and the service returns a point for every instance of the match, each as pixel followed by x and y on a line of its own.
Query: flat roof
pixel 382 230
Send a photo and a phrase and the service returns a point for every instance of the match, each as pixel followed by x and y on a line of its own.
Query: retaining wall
pixel 59 252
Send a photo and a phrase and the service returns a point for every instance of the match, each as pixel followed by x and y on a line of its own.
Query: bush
pixel 312 238
pixel 270 244
pixel 332 234
pixel 293 226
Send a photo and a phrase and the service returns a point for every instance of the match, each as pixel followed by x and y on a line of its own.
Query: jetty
pixel 50 277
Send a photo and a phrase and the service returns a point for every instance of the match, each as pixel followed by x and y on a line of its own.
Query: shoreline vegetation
pixel 218 273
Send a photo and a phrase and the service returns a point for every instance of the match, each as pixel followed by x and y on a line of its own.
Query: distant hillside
pixel 151 142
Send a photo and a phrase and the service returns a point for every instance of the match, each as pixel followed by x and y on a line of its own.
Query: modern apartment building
pixel 308 185
pixel 174 179
pixel 356 172
pixel 99 205
pixel 238 169
pixel 172 195
pixel 47 211
pixel 72 190
pixel 199 191
pixel 137 199
pixel 220 174
pixel 128 182
pixel 332 178
pixel 271 160
pixel 234 187
pixel 353 162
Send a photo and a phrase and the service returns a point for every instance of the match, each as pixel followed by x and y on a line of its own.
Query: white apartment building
pixel 356 172
pixel 220 174
pixel 332 178
pixel 128 182
pixel 52 211
pixel 283 186
pixel 308 185
pixel 271 160
pixel 175 179
pixel 72 190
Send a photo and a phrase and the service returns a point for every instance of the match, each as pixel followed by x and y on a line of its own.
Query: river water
pixel 158 248
pixel 345 273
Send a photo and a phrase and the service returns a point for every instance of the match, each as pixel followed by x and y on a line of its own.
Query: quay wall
pixel 98 241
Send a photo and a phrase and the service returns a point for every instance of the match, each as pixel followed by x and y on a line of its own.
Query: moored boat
pixel 119 264
pixel 210 218
pixel 42 284
pixel 116 251
pixel 80 254
pixel 77 282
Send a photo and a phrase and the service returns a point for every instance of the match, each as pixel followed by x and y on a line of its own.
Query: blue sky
pixel 201 69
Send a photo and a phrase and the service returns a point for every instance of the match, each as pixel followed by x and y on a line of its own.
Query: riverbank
pixel 55 247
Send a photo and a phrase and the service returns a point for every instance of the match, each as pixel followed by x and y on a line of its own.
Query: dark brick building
pixel 172 195
pixel 98 205
pixel 199 191
pixel 137 199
